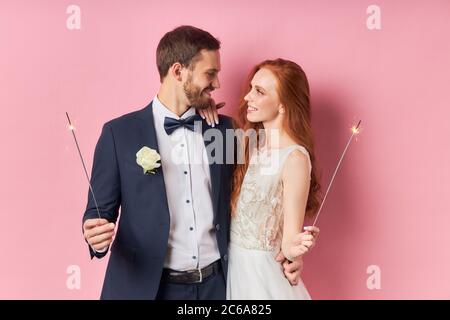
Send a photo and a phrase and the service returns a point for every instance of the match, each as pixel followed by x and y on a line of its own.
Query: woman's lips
pixel 251 109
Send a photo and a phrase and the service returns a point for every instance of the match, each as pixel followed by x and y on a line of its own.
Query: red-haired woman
pixel 276 185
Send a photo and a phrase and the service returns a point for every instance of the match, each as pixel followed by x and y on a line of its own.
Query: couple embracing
pixel 206 229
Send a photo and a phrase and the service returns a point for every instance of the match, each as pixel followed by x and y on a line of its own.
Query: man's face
pixel 203 79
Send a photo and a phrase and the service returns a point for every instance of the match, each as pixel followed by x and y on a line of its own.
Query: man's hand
pixel 292 270
pixel 98 233
pixel 303 242
pixel 210 114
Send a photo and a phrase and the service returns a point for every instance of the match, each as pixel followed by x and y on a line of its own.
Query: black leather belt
pixel 190 276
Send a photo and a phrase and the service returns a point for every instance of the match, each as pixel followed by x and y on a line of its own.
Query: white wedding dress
pixel 256 232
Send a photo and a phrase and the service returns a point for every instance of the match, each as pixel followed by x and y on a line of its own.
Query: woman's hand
pixel 303 242
pixel 210 114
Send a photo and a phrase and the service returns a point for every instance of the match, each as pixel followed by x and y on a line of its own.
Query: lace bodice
pixel 258 223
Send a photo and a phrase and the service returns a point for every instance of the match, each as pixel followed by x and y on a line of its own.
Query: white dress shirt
pixel 192 241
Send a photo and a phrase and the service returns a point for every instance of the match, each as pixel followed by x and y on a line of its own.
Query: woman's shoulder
pixel 297 161
pixel 296 155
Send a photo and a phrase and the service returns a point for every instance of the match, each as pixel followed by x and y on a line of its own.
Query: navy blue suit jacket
pixel 139 249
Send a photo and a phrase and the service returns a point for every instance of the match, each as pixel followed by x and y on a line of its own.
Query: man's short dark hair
pixel 182 45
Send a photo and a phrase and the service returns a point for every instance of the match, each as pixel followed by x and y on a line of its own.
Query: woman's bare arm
pixel 296 182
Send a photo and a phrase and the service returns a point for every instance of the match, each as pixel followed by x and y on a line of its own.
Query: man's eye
pixel 259 91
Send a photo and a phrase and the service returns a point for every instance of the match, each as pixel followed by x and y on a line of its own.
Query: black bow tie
pixel 171 124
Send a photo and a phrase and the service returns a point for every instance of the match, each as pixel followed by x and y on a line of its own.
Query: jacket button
pixel 217 227
pixel 225 257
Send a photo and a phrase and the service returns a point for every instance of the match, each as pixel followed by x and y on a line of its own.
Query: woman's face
pixel 262 100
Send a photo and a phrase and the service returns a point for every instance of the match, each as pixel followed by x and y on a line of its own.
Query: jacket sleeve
pixel 105 182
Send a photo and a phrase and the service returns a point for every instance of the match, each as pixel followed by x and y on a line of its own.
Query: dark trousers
pixel 211 288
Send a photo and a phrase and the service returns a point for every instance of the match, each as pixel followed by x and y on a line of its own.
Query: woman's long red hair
pixel 293 91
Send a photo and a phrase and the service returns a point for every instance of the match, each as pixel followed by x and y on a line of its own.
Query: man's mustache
pixel 210 89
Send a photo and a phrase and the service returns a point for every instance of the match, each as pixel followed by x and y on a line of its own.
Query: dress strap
pixel 287 151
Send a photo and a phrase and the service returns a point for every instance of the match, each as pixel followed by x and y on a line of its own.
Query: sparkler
pixel 72 128
pixel 355 131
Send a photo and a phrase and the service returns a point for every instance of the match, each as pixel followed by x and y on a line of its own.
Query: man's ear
pixel 175 71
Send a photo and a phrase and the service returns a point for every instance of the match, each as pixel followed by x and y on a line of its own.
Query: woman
pixel 269 202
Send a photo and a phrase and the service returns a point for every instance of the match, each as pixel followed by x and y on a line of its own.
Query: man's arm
pixel 105 182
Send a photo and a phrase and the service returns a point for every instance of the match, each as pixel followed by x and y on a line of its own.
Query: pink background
pixel 389 206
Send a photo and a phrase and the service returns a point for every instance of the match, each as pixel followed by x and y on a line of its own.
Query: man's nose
pixel 216 83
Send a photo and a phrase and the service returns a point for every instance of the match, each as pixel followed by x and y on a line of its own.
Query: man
pixel 173 235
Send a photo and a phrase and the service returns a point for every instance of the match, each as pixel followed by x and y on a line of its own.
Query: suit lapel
pixel 151 141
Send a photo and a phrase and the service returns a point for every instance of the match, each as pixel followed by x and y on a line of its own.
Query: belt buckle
pixel 201 275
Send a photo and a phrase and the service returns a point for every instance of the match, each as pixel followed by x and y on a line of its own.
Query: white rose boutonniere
pixel 147 158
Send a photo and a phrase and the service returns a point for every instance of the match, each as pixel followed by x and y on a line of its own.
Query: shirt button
pixel 191 228
pixel 187 201
pixel 182 144
pixel 185 172
pixel 217 227
pixel 194 257
pixel 225 257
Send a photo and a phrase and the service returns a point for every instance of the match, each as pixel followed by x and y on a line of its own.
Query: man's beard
pixel 195 95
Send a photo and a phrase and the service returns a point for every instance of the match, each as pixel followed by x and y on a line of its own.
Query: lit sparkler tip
pixel 71 127
pixel 355 129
